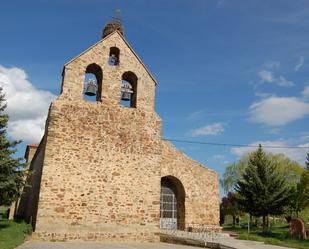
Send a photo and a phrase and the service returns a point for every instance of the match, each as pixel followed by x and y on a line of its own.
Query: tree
pixel 233 173
pixel 290 169
pixel 262 189
pixel 300 194
pixel 230 206
pixel 12 170
pixel 222 215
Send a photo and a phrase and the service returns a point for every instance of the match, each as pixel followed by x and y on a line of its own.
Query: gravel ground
pixel 239 244
pixel 93 245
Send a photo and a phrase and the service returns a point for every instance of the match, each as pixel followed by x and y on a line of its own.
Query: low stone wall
pixel 98 236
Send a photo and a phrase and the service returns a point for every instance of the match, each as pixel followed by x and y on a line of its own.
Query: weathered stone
pixel 59 210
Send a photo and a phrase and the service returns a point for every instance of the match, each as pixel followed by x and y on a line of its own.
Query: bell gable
pixel 110 60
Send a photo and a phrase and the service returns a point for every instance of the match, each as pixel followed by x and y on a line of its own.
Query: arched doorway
pixel 172 203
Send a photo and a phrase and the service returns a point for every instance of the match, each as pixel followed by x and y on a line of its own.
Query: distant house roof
pixel 33 145
pixel 30 146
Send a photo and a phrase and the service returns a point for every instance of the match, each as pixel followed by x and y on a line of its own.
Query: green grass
pixel 278 235
pixel 12 233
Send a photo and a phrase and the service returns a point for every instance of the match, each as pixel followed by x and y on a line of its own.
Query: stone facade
pixel 98 168
pixel 29 154
pixel 200 185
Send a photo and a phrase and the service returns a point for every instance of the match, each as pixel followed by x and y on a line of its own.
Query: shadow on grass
pixel 3 226
pixel 19 221
pixel 272 234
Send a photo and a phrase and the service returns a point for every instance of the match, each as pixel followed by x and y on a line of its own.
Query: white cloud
pixel 26 105
pixel 272 65
pixel 299 64
pixel 30 130
pixel 305 92
pixel 221 2
pixel 195 115
pixel 305 137
pixel 212 129
pixel 221 159
pixel 281 81
pixel 268 77
pixel 275 111
pixel 296 154
pixel 262 94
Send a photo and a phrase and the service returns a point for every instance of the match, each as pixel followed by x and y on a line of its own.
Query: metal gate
pixel 168 206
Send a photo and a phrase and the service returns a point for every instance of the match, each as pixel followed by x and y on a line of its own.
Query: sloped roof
pixel 125 43
pixel 35 146
pixel 32 145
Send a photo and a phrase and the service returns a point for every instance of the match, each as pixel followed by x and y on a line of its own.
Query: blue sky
pixel 227 71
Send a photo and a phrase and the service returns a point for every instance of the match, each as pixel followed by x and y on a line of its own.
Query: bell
pixel 113 60
pixel 90 90
pixel 125 96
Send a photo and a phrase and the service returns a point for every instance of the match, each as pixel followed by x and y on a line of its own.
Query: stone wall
pixel 101 163
pixel 28 204
pixel 200 185
pixel 29 154
pixel 101 178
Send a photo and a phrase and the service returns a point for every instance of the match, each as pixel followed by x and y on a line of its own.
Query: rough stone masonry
pixel 98 171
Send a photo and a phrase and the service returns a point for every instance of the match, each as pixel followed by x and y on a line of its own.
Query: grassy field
pixel 278 235
pixel 12 233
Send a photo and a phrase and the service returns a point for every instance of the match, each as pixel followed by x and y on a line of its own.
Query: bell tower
pixel 101 149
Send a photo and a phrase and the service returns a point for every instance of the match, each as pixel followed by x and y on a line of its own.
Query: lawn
pixel 12 233
pixel 278 235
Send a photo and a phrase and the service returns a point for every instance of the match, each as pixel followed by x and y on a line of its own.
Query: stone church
pixel 102 170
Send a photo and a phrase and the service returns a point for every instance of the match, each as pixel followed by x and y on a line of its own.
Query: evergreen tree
pixel 262 189
pixel 12 170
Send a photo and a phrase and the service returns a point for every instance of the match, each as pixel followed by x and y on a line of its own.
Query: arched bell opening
pixel 172 204
pixel 128 89
pixel 114 58
pixel 93 83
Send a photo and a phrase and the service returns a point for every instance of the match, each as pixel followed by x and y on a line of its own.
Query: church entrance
pixel 172 203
